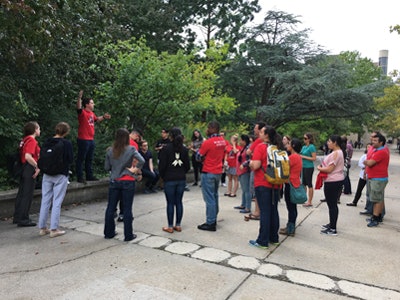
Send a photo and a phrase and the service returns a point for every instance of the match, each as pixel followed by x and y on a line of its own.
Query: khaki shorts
pixel 376 190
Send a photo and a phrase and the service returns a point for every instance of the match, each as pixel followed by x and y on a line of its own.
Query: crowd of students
pixel 243 159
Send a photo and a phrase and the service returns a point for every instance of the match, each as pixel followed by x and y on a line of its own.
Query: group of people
pixel 244 160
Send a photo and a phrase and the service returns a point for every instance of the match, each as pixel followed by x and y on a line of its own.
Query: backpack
pixel 278 167
pixel 51 160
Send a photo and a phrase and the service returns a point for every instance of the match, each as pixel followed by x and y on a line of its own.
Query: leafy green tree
pixel 221 20
pixel 388 108
pixel 283 77
pixel 150 90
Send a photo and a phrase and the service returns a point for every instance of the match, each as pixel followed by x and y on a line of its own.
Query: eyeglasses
pixel 306 138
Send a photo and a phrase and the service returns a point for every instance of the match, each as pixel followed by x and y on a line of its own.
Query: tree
pixel 284 78
pixel 150 90
pixel 221 20
pixel 388 109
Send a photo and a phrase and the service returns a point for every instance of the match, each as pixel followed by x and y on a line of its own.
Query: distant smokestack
pixel 383 60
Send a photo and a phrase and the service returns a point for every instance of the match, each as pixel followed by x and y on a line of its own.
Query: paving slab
pixel 359 263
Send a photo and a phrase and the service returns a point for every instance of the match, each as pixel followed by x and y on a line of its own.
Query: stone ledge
pixel 76 193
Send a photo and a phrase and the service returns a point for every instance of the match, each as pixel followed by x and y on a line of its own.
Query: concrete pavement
pixel 359 263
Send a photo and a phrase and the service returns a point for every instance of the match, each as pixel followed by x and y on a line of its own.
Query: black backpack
pixel 51 160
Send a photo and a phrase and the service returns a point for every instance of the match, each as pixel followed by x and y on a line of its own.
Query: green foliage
pixel 388 111
pixel 149 91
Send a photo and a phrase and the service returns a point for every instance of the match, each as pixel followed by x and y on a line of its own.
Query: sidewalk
pixel 359 263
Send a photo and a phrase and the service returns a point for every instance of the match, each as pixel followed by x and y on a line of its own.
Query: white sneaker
pixel 223 184
pixel 55 233
pixel 44 231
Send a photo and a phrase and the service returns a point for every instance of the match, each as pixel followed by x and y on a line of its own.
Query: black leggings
pixel 331 191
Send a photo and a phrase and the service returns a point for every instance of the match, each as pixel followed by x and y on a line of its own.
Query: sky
pixel 346 25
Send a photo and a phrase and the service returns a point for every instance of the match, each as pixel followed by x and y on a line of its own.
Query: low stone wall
pixel 76 193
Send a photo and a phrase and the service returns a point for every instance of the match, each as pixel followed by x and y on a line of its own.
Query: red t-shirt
pixel 380 169
pixel 255 144
pixel 86 121
pixel 260 153
pixel 134 144
pixel 296 165
pixel 29 145
pixel 231 156
pixel 213 149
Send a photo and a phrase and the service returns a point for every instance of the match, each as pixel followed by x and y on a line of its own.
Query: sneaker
pixel 55 233
pixel 120 218
pixel 223 184
pixel 43 232
pixel 373 223
pixel 194 184
pixel 329 231
pixel 327 226
pixel 365 212
pixel 351 204
pixel 207 227
pixel 255 244
pixel 147 191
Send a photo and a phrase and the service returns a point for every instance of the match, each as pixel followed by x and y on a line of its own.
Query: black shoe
pixel 120 219
pixel 323 200
pixel 194 184
pixel 29 224
pixel 134 236
pixel 81 180
pixel 365 212
pixel 351 204
pixel 208 227
pixel 111 237
pixel 92 179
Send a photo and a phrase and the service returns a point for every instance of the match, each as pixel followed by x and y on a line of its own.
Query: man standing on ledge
pixel 211 153
pixel 85 141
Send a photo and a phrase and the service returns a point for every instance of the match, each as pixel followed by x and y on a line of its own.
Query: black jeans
pixel 360 186
pixel 196 168
pixel 346 183
pixel 331 191
pixel 24 198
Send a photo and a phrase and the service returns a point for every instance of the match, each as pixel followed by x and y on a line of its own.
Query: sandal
pixel 227 194
pixel 168 229
pixel 251 217
pixel 232 195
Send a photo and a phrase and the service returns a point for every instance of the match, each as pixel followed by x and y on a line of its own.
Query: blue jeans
pixel 152 178
pixel 209 189
pixel 291 207
pixel 125 190
pixel 53 193
pixel 85 154
pixel 174 193
pixel 244 180
pixel 267 199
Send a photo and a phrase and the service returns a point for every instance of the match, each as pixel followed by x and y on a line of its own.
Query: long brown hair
pixel 121 142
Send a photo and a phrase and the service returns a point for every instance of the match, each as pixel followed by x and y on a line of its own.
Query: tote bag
pixel 298 195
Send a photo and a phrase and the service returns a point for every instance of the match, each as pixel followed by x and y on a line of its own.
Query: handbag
pixel 298 195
